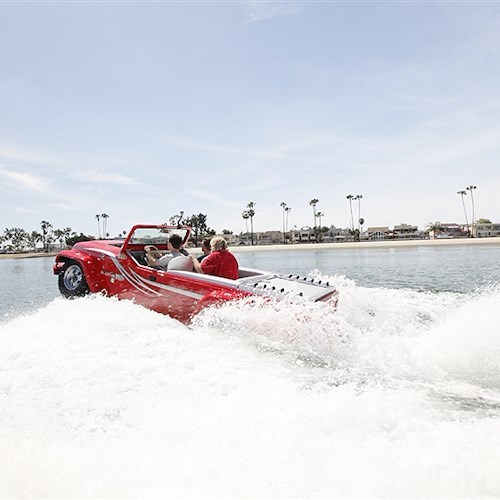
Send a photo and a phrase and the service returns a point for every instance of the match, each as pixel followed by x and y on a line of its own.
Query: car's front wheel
pixel 72 282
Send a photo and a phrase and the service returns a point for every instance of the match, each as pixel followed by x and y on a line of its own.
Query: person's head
pixel 176 241
pixel 218 244
pixel 205 246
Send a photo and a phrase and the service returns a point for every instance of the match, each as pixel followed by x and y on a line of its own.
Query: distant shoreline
pixel 369 244
pixel 317 246
pixel 27 255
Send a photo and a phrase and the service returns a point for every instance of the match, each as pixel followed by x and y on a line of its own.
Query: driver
pixel 155 259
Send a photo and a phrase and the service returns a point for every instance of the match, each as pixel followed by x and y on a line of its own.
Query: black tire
pixel 72 282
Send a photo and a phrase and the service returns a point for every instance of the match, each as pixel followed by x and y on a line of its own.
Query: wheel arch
pixel 90 266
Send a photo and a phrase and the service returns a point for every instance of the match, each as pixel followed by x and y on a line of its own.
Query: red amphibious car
pixel 119 268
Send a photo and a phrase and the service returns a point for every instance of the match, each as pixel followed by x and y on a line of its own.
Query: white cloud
pixel 24 154
pixel 96 176
pixel 23 210
pixel 25 180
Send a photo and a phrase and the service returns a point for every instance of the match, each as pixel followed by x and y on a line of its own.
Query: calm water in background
pixel 26 284
pixel 396 394
pixel 457 268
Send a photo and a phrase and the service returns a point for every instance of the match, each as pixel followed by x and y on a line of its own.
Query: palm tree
pixel 34 238
pixel 59 235
pixel 319 232
pixel 473 222
pixel 177 219
pixel 98 217
pixel 313 204
pixel 199 225
pixel 181 215
pixel 319 215
pixel 284 207
pixel 46 226
pixel 287 210
pixel 18 238
pixel 245 216
pixel 434 227
pixel 251 213
pixel 359 198
pixel 350 198
pixel 462 194
pixel 104 218
pixel 7 235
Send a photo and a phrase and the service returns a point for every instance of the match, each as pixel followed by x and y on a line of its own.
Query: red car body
pixel 118 268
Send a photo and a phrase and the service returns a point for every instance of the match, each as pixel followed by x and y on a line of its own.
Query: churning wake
pixel 396 393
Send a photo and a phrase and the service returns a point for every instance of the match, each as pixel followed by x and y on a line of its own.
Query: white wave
pixel 103 398
pixel 372 331
pixel 466 343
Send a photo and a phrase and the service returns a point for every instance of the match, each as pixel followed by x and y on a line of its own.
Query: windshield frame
pixel 157 235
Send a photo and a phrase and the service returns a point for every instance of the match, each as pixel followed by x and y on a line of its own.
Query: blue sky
pixel 142 109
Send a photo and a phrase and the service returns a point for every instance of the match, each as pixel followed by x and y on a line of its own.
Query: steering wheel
pixel 152 247
pixel 153 251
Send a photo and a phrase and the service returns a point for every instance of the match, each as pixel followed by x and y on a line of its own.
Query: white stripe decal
pixel 142 285
pixel 134 282
pixel 169 288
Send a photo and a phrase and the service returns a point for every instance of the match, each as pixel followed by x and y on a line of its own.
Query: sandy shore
pixel 26 255
pixel 319 246
pixel 370 244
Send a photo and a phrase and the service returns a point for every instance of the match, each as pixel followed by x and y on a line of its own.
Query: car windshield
pixel 157 236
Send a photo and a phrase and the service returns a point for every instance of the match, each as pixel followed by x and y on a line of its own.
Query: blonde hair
pixel 218 243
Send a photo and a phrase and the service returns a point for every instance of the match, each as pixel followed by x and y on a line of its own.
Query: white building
pixel 334 235
pixel 406 232
pixel 378 233
pixel 486 230
pixel 303 235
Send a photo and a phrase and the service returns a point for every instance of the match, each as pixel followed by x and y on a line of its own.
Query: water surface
pixel 394 394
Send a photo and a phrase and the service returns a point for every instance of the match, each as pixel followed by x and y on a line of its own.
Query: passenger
pixel 176 259
pixel 221 262
pixel 205 248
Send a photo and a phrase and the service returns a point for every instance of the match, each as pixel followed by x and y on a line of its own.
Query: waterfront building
pixel 334 235
pixel 378 233
pixel 231 238
pixel 448 230
pixel 270 238
pixel 303 235
pixel 246 238
pixel 486 230
pixel 406 232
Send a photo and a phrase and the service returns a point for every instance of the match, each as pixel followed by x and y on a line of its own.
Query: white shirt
pixel 180 263
pixel 164 260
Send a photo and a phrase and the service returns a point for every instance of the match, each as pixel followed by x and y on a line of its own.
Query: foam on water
pixel 397 393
